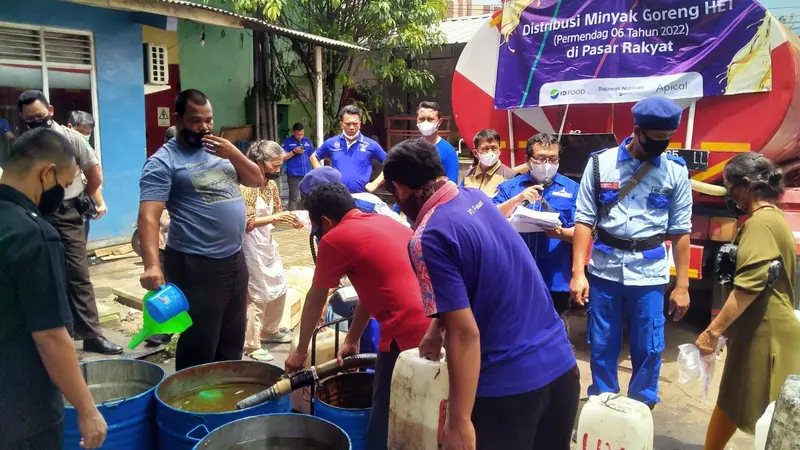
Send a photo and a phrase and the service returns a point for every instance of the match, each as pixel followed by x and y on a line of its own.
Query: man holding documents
pixel 543 189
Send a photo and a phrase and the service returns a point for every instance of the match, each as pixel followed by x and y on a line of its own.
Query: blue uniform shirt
pixel 449 157
pixel 298 165
pixel 660 203
pixel 460 250
pixel 552 255
pixel 354 162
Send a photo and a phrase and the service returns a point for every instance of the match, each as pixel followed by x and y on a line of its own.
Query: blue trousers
pixel 642 308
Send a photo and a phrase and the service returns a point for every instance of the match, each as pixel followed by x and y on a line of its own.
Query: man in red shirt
pixel 372 251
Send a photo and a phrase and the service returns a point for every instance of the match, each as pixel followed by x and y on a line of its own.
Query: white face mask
pixel 427 128
pixel 351 137
pixel 488 159
pixel 541 172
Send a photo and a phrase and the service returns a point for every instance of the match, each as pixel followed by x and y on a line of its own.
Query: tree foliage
pixel 397 33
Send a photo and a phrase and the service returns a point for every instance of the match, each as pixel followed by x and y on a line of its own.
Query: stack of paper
pixel 526 220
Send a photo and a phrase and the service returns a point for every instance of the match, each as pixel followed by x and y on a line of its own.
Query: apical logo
pixel 554 93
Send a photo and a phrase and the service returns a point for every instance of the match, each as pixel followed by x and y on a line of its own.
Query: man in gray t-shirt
pixel 196 176
pixel 68 219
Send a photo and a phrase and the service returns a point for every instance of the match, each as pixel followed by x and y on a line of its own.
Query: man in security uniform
pixel 633 197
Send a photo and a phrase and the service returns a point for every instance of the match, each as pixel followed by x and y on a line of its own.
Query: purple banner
pixel 558 52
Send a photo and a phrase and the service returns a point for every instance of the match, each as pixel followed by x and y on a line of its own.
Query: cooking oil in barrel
pixel 216 398
pixel 283 444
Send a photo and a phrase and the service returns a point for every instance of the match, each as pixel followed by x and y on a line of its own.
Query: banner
pixel 558 52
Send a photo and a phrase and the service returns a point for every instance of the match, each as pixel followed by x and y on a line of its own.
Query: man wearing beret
pixel 636 199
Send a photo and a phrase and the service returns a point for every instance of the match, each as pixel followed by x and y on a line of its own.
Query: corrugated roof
pixel 145 6
pixel 459 30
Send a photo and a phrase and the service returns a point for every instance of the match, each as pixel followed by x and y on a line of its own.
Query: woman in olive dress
pixel 758 317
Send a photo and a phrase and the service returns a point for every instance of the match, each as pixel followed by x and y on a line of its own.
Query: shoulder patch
pixel 676 159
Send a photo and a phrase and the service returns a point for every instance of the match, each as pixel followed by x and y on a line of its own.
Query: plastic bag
pixel 693 366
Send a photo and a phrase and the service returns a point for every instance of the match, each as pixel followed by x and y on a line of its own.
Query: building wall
pixel 788 11
pixel 120 80
pixel 222 68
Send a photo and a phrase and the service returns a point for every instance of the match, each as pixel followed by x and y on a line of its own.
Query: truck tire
pixel 137 246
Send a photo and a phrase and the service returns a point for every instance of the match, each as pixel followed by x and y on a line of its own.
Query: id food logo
pixel 555 93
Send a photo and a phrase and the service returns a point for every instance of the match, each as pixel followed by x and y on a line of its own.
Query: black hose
pixel 308 377
pixel 313 248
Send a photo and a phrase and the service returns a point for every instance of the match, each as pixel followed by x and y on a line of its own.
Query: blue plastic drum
pixel 346 401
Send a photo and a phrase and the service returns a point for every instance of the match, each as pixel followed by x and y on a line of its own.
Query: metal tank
pixel 179 429
pixel 123 392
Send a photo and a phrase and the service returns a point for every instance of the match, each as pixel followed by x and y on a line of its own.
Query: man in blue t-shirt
pixel 507 350
pixel 542 188
pixel 197 177
pixel 429 119
pixel 298 150
pixel 351 153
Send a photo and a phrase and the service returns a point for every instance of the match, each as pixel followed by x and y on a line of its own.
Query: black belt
pixel 630 245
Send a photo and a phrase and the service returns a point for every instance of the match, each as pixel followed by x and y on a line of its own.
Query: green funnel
pixel 177 324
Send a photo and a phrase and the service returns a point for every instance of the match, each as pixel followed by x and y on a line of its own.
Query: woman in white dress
pixel 267 285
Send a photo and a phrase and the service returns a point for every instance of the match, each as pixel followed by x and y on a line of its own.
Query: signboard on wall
pixel 163 116
pixel 560 52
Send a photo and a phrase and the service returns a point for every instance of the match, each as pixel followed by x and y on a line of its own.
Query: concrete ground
pixel 680 420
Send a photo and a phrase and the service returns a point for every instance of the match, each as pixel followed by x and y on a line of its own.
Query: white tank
pixel 615 421
pixel 762 427
pixel 326 351
pixel 418 405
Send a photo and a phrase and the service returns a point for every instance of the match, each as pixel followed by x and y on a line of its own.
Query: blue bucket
pixel 165 304
pixel 296 431
pixel 123 390
pixel 346 401
pixel 182 430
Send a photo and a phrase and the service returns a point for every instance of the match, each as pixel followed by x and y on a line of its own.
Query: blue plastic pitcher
pixel 167 303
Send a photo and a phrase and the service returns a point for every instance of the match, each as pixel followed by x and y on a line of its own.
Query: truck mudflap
pixel 695 260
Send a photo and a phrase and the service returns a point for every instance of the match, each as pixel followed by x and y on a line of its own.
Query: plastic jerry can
pixel 613 421
pixel 762 427
pixel 418 404
pixel 326 351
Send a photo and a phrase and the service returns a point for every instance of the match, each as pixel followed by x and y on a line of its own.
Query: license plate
pixel 696 160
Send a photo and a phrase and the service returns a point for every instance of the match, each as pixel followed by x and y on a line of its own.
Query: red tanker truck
pixel 713 130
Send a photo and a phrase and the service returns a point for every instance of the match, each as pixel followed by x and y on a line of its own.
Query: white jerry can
pixel 326 351
pixel 418 404
pixel 762 427
pixel 613 421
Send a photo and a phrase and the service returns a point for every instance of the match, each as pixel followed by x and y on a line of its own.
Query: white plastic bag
pixel 692 366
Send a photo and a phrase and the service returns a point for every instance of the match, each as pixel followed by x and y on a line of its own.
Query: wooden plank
pixel 128 299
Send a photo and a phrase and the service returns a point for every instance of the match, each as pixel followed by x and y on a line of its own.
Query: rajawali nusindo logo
pixel 621 90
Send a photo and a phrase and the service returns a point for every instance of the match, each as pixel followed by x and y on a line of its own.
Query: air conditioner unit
pixel 157 64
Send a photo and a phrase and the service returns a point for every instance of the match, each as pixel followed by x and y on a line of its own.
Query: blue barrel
pixel 178 429
pixel 346 400
pixel 370 337
pixel 123 391
pixel 282 431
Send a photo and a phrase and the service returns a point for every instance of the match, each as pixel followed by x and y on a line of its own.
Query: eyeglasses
pixel 553 160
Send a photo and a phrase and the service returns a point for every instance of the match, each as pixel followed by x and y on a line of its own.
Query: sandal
pixel 262 355
pixel 281 337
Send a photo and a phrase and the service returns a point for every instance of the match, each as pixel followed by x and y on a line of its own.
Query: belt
pixel 629 245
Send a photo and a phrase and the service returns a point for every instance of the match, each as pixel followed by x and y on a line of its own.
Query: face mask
pixel 88 138
pixel 272 175
pixel 733 206
pixel 542 172
pixel 51 198
pixel 654 148
pixel 194 139
pixel 38 123
pixel 427 128
pixel 351 137
pixel 488 159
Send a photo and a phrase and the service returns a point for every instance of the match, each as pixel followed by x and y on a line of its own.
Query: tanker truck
pixel 713 130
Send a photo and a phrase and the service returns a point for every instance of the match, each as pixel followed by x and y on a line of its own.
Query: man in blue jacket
pixel 298 150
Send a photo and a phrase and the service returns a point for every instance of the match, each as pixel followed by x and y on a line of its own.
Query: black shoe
pixel 101 345
pixel 158 339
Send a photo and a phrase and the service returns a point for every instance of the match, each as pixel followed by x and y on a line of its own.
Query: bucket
pixel 165 304
pixel 123 391
pixel 346 401
pixel 279 432
pixel 180 429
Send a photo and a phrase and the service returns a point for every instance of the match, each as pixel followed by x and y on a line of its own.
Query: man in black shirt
pixel 36 352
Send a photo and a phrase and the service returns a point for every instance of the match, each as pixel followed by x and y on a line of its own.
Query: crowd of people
pixel 444 270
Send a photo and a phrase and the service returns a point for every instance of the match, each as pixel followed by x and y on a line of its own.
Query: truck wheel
pixel 137 246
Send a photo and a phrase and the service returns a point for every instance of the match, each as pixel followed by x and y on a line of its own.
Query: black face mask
pixel 272 175
pixel 734 207
pixel 193 138
pixel 653 147
pixel 46 122
pixel 51 198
